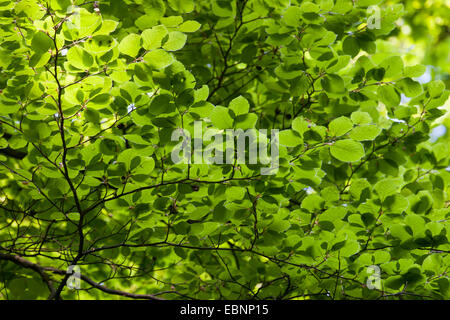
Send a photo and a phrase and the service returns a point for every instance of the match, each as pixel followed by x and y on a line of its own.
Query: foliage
pixel 89 99
pixel 425 29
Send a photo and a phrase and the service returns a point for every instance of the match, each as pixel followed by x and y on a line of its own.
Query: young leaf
pixel 347 150
pixel 158 59
pixel 340 126
pixel 130 45
pixel 221 118
pixel 239 105
pixel 175 41
pixel 365 132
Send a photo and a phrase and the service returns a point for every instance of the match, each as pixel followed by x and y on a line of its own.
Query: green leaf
pixel 223 9
pixel 435 88
pixel 221 118
pixel 108 26
pixel 333 214
pixel 41 42
pixel 358 186
pixel 161 104
pixel 189 26
pixel 409 87
pixel 153 38
pixel 154 8
pixel 182 6
pixel 175 41
pixel 309 7
pixel 239 105
pixel 340 126
pixel 158 59
pixel 333 83
pixel 360 117
pixel 414 71
pixel 347 150
pixel 137 139
pixel 416 223
pixel 387 187
pixel 129 156
pixel 28 7
pixel 292 16
pixel 130 45
pixel 288 72
pixel 235 193
pixel 388 95
pixel 246 121
pixel 300 125
pixel 350 248
pixel 330 194
pixel 312 202
pixel 299 86
pixel 144 169
pixel 367 3
pixel 395 203
pixel 393 67
pixel 79 58
pixel 39 59
pixel 100 101
pixel 365 132
pixel 350 46
pixel 376 73
pixel 290 138
pixel 279 225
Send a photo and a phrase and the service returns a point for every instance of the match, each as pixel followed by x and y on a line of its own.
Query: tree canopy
pixel 91 92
